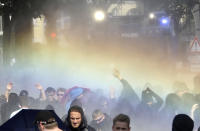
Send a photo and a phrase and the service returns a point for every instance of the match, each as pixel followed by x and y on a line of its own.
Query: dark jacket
pixel 83 126
pixel 9 107
pixel 128 93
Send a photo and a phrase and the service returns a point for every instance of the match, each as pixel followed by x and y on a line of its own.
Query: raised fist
pixel 9 86
pixel 116 73
pixel 38 86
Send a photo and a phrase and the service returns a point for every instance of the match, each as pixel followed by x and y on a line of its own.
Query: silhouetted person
pixel 182 122
pixel 180 88
pixel 23 93
pixel 9 107
pixel 127 92
pixel 148 109
pixel 128 99
pixel 23 104
pixel 188 100
pixel 167 113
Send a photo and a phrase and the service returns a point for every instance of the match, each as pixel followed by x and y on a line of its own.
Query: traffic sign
pixel 195 45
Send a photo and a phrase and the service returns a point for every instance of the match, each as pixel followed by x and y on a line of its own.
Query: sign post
pixel 195 45
pixel 194 55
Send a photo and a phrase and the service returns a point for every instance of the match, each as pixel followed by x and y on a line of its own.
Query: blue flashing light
pixel 164 21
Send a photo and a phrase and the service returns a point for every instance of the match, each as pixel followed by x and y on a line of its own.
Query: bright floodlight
pixel 151 15
pixel 99 15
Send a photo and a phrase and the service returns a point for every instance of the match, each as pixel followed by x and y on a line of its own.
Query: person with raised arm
pixel 8 90
pixel 42 96
pixel 127 92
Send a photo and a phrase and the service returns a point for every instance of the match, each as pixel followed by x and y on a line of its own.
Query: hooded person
pixel 76 120
pixel 182 122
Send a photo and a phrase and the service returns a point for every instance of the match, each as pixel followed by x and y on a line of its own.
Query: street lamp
pixel 99 15
pixel 151 16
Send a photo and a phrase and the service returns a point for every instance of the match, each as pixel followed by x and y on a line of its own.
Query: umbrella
pixel 25 121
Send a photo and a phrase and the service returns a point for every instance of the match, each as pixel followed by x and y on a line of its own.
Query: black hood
pixel 83 118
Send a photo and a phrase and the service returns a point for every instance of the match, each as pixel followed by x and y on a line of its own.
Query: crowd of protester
pixel 81 107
